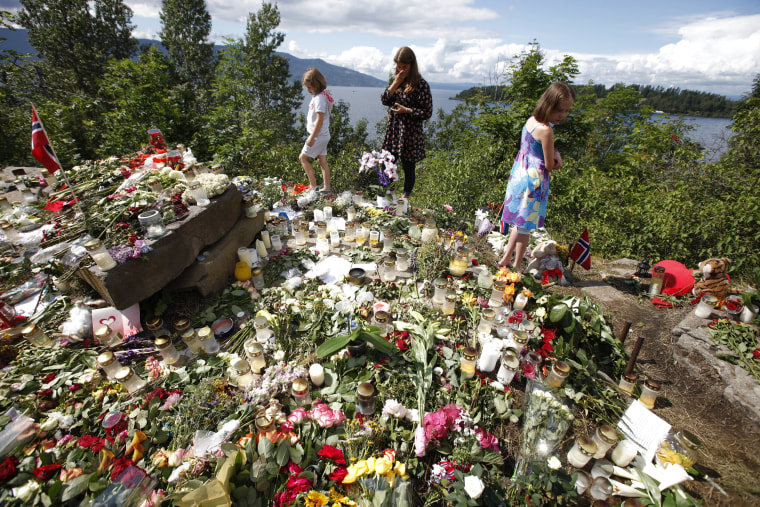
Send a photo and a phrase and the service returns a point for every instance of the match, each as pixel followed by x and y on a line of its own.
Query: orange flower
pixel 507 275
pixel 105 460
pixel 136 447
pixel 71 473
pixel 243 441
pixel 509 292
pixel 527 292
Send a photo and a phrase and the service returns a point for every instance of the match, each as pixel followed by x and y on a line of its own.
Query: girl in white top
pixel 318 127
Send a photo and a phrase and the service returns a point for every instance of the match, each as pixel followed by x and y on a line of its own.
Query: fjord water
pixel 364 102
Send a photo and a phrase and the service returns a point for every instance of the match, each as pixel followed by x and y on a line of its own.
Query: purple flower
pixel 485 227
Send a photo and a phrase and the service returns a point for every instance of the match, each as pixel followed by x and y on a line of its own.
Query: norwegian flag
pixel 41 148
pixel 581 252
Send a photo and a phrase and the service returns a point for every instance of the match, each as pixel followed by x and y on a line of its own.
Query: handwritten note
pixel 643 428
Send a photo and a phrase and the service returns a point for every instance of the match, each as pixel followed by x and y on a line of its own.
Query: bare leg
pixel 505 260
pixel 522 245
pixel 322 159
pixel 306 163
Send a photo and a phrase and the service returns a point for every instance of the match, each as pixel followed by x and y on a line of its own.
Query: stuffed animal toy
pixel 545 265
pixel 715 280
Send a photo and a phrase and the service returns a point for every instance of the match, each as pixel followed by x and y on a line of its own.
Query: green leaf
pixel 333 345
pixel 557 312
pixel 283 453
pixel 75 487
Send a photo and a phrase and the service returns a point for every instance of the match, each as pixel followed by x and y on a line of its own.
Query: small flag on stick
pixel 581 252
pixel 41 148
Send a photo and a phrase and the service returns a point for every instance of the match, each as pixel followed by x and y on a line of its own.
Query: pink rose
pixel 420 441
pixel 297 416
pixel 487 440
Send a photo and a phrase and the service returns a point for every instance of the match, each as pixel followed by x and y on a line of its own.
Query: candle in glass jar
pixel 365 398
pixel 261 249
pixel 127 377
pixel 628 383
pixel 450 303
pixel 299 390
pixel 100 255
pixel 167 350
pixel 623 453
pixel 109 363
pixel 489 356
pixel 208 340
pixel 255 354
pixel 649 392
pixel 468 361
pixel 605 437
pixel 106 336
pixel 582 451
pixel 335 239
pixel 317 374
pixel 521 300
pixel 510 363
pixel 243 376
pixel 559 372
pixel 276 242
pixel 601 488
pixel 265 239
pixel 244 255
pixel 706 306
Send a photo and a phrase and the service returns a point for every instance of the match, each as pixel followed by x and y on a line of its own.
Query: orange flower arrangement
pixel 507 275
pixel 509 292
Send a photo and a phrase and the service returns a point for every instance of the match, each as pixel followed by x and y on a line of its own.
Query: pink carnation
pixel 420 441
pixel 297 416
pixel 325 417
pixel 487 440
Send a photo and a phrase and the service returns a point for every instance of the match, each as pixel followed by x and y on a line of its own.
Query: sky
pixel 691 44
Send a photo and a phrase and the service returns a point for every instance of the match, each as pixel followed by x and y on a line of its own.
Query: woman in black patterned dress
pixel 411 103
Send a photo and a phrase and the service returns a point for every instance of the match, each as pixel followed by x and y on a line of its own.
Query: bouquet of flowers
pixel 383 162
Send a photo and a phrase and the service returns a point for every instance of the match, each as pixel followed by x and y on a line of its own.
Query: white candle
pixel 317 374
pixel 276 242
pixel 520 301
pixel 319 215
pixel 253 256
pixel 244 254
pixel 328 213
pixel 623 453
pixel 334 239
pixel 265 239
pixel 490 356
pixel 261 249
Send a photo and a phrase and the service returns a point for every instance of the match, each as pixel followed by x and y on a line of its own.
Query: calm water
pixel 364 102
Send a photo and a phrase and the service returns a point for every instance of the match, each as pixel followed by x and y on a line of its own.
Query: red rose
pixel 46 472
pixel 49 378
pixel 338 474
pixel 8 469
pixel 284 498
pixel 333 453
pixel 401 345
pixel 87 441
pixel 119 466
pixel 74 387
pixel 756 353
pixel 298 484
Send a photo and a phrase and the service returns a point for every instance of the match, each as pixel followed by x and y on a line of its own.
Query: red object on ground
pixel 678 280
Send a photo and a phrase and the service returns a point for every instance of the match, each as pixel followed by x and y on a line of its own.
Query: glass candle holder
pixel 601 488
pixel 439 291
pixel 168 350
pixel 414 228
pixel 208 340
pixel 449 303
pixel 582 451
pixel 521 301
pixel 749 312
pixel 100 255
pixel 152 223
pixel 276 242
pixel 382 320
pixel 263 329
pixel 389 269
pixel 107 337
pixel 623 453
pixel 108 362
pixel 487 318
pixel 658 277
pixel 497 294
pixel 190 339
pixel 400 207
pixel 36 336
pixel 300 235
pixel 242 372
pixel 458 263
pixel 127 377
pixel 706 306
pixel 257 275
pixel 429 233
pixel 10 232
pixel 254 352
pixel 4 204
pixel 605 437
pixel 558 374
pixel 328 211
pixel 356 348
pixel 601 468
pixel 509 364
pixel 350 213
pixel 358 198
pixel 468 361
pixel 335 240
pixel 519 339
pixel 199 193
pixel 365 398
pixel 299 391
pixel 679 447
pixel 244 255
pixel 264 422
pixel 649 392
pixel 321 229
pixel 628 383
pixel 402 261
pixel 350 233
pixel 181 324
pixel 156 327
pixel 485 278
pixel 374 239
pixel 387 240
pixel 317 374
pixel 489 356
pixel 322 245
pixel 361 235
pixel 251 208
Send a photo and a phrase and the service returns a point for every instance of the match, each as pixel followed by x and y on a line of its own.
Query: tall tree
pixel 186 26
pixel 254 94
pixel 78 37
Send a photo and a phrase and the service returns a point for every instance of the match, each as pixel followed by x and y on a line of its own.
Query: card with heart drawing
pixel 126 322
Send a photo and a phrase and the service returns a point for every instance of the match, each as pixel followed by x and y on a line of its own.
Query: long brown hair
pixel 406 55
pixel 315 79
pixel 552 97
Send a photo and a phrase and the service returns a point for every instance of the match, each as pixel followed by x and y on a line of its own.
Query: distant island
pixel 662 100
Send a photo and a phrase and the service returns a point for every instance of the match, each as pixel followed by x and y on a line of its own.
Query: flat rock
pixel 172 254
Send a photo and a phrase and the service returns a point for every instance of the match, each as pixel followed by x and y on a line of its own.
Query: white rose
pixel 540 312
pixel 25 492
pixel 473 486
pixel 394 408
pixel 554 463
pixel 279 355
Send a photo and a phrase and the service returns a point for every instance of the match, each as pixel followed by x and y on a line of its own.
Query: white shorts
pixel 319 148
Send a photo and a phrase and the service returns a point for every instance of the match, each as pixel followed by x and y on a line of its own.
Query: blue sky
pixel 696 44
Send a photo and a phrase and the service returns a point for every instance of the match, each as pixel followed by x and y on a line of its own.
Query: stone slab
pixel 213 273
pixel 172 254
pixel 694 349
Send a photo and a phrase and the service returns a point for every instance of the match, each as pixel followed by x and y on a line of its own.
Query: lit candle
pixel 489 356
pixel 334 239
pixel 244 255
pixel 317 374
pixel 265 239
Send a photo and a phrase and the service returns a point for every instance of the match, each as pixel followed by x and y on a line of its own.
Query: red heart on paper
pixel 108 322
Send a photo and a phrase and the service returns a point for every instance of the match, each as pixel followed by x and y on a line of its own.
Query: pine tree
pixel 186 26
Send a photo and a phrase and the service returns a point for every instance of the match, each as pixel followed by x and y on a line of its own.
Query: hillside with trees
pixel 668 100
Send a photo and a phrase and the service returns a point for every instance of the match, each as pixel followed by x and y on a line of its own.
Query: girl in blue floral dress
pixel 528 187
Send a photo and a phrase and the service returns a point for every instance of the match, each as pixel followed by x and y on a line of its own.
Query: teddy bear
pixel 715 280
pixel 545 265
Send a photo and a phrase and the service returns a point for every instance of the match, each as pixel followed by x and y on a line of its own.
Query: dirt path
pixel 692 400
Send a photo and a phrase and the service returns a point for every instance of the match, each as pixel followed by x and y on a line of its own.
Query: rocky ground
pixel 702 394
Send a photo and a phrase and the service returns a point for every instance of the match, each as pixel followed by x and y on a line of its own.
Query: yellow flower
pixel 339 499
pixel 509 292
pixel 316 499
pixel 507 275
pixel 383 465
pixel 469 299
pixel 400 468
pixel 371 463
